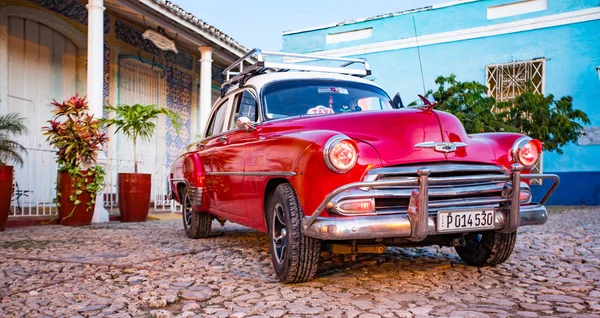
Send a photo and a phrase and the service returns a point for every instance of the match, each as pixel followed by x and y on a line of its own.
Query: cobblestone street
pixel 152 270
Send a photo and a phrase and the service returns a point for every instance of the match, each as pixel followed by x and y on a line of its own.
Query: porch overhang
pixel 191 31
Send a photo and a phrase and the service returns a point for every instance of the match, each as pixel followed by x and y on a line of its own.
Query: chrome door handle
pixel 223 139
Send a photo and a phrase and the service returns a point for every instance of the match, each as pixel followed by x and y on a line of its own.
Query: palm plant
pixel 10 150
pixel 136 121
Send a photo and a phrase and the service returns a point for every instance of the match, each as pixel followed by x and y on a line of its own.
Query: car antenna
pixel 419 53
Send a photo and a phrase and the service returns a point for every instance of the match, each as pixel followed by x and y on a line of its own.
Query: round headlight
pixel 340 154
pixel 526 151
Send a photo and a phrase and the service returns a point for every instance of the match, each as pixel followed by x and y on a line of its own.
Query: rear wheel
pixel 487 248
pixel 294 255
pixel 196 224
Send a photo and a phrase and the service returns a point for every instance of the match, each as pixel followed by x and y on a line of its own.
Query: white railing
pixel 160 197
pixel 34 184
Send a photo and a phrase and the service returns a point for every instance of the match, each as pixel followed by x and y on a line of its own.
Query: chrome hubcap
pixel 279 233
pixel 187 211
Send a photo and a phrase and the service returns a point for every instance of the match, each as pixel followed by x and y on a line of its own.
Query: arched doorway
pixel 41 58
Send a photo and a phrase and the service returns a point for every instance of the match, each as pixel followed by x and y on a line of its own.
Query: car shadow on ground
pixel 396 259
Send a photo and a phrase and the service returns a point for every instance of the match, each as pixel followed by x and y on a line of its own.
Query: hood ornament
pixel 444 147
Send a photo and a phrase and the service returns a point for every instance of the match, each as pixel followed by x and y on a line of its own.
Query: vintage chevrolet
pixel 319 157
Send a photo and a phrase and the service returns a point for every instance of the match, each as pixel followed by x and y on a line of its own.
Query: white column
pixel 95 82
pixel 205 85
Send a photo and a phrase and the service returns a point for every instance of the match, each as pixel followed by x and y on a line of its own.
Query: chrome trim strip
pixel 389 226
pixel 404 193
pixel 469 201
pixel 195 194
pixel 467 179
pixel 438 168
pixel 254 174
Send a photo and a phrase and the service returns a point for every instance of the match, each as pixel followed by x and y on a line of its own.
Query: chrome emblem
pixel 445 147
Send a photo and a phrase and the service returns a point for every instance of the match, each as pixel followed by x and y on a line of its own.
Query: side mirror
pixel 245 123
pixel 397 100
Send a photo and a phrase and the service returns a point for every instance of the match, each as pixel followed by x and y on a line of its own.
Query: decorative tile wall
pixel 179 100
pixel 133 36
pixel 106 90
pixel 72 9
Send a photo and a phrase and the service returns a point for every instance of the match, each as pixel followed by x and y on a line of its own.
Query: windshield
pixel 321 97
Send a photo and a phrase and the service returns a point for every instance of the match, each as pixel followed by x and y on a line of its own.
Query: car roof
pixel 261 80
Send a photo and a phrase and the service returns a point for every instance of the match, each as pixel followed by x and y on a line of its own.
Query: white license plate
pixel 451 221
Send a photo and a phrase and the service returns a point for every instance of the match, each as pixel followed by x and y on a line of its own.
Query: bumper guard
pixel 416 227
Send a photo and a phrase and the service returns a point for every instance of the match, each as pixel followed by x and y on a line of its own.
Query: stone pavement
pixel 152 270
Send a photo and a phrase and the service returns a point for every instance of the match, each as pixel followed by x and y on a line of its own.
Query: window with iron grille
pixel 508 80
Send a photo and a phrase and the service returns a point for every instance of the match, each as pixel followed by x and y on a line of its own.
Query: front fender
pixel 313 180
pixel 502 144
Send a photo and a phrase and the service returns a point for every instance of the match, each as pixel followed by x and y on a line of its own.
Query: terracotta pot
pixel 134 196
pixel 6 177
pixel 80 215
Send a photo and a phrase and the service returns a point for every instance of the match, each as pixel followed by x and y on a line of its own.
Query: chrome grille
pixel 450 185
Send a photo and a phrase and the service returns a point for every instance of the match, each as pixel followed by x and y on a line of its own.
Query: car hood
pixel 394 134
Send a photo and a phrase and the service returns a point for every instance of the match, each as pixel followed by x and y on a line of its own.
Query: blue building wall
pixel 572 51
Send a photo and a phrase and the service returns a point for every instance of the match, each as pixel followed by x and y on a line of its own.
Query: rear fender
pixel 188 171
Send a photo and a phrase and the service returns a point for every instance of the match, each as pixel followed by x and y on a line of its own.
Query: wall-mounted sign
pixel 162 42
pixel 591 137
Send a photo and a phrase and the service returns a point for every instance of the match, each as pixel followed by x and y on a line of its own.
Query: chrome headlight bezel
pixel 327 151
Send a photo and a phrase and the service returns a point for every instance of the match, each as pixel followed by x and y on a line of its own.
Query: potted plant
pixel 134 188
pixel 10 151
pixel 78 137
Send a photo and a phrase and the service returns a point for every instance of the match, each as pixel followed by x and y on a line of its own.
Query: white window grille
pixel 509 80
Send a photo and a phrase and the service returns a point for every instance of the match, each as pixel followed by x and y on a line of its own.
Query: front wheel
pixel 294 255
pixel 196 224
pixel 487 248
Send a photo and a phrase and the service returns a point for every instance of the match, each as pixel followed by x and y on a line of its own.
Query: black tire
pixel 294 255
pixel 487 248
pixel 196 224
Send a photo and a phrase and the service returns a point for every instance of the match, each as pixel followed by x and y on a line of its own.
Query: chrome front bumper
pixel 418 226
pixel 389 226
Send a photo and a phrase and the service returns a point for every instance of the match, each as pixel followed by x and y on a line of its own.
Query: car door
pixel 207 147
pixel 228 158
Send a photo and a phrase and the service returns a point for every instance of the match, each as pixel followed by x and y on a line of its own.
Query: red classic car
pixel 319 157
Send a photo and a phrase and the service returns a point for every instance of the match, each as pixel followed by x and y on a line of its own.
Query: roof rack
pixel 259 65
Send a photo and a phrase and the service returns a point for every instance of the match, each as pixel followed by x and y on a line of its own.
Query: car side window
pixel 245 106
pixel 217 121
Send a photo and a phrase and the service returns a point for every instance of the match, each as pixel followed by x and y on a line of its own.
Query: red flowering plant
pixel 78 137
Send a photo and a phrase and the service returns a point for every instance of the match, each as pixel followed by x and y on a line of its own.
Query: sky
pixel 259 23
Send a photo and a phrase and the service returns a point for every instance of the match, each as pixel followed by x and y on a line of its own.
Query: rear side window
pixel 245 106
pixel 217 121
